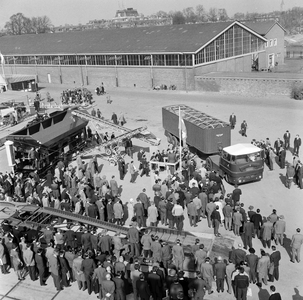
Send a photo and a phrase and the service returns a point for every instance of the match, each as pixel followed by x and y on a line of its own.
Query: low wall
pixel 245 86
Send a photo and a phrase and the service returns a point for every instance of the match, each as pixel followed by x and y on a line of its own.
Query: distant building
pixel 140 56
pixel 126 13
pixel 274 47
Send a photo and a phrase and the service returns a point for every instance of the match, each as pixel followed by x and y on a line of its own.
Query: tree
pixel 41 24
pixel 213 14
pixel 189 14
pixel 18 24
pixel 239 16
pixel 201 13
pixel 178 18
pixel 222 14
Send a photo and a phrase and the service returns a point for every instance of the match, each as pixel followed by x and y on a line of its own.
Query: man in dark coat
pixel 275 257
pixel 257 220
pixel 282 158
pixel 232 121
pixel 92 210
pixel 41 266
pixel 65 269
pixel 286 137
pixel 248 232
pixel 241 284
pixel 120 293
pixel 87 267
pixel 199 285
pixel 155 283
pixel 252 262
pixel 70 237
pixel 143 289
pixel 86 240
pixel 115 119
pixel 297 144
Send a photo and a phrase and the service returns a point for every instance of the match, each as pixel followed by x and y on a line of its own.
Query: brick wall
pixel 253 86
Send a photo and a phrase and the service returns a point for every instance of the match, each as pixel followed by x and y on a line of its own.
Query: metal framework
pixel 197 117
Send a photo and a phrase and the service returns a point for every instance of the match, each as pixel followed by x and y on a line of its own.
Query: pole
pixel 180 139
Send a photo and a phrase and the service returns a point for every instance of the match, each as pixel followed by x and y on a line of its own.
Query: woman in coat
pixel 16 262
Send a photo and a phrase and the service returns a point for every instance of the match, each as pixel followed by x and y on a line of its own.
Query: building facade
pixel 142 57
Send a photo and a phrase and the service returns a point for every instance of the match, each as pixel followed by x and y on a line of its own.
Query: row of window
pixel 271 43
pixel 104 60
pixel 233 42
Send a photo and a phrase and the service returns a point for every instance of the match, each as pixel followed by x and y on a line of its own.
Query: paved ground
pixel 269 117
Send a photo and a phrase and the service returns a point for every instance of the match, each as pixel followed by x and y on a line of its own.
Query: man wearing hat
pixel 280 227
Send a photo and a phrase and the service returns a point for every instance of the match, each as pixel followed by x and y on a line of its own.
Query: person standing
pixel 297 144
pixel 243 128
pixel 267 229
pixel 290 173
pixel 115 118
pixel 120 293
pixel 192 213
pixel 228 215
pixel 143 289
pixel 216 219
pixel 41 266
pixel 275 257
pixel 220 274
pixel 114 186
pixel 263 267
pixel 232 121
pixel 132 171
pixel 277 145
pixel 282 157
pixel 200 286
pixel 280 227
pixel 178 255
pixel 286 137
pixel 200 256
pixel 88 266
pixel 108 288
pixel 16 261
pixel 210 207
pixel 241 284
pixel 237 221
pixel 252 262
pixel 155 283
pixel 207 273
pixel 230 268
pixel 152 214
pixel 55 270
pixel 248 232
pixel 28 258
pixel 133 238
pixel 296 243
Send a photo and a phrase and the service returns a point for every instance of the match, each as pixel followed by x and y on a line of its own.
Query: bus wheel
pixel 175 141
pixel 169 138
pixel 209 164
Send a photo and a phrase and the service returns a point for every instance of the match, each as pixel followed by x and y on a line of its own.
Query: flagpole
pixel 180 139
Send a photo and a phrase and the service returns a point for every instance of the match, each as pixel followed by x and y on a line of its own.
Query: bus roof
pixel 241 149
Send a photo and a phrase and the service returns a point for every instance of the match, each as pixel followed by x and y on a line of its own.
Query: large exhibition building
pixel 143 56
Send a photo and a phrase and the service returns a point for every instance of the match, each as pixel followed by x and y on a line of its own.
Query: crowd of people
pixel 195 194
pixel 140 263
pixel 76 96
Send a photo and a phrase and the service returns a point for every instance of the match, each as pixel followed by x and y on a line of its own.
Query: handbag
pixel 191 293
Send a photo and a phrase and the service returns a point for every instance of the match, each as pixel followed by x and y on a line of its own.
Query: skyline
pixel 84 10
